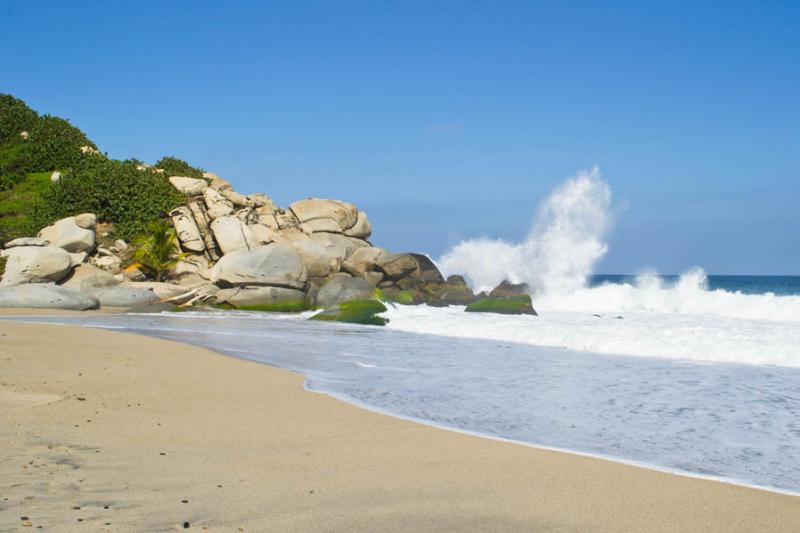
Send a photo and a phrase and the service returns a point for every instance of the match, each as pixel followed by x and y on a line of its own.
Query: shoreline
pixel 361 405
pixel 383 454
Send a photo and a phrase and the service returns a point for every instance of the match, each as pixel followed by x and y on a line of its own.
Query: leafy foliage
pixel 115 191
pixel 157 250
pixel 19 204
pixel 3 261
pixel 15 117
pixel 55 144
pixel 178 167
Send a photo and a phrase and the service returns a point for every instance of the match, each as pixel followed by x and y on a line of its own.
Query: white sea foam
pixel 566 241
pixel 682 319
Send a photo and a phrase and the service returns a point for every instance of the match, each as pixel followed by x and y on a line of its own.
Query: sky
pixel 451 120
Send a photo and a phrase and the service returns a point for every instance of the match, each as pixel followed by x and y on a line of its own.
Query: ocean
pixel 710 394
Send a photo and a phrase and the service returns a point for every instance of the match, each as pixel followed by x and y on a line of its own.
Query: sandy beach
pixel 104 431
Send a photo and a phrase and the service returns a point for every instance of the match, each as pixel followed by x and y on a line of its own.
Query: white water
pixel 648 317
pixel 566 241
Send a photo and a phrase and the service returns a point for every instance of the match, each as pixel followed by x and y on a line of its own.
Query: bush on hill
pixel 55 144
pixel 18 205
pixel 178 167
pixel 15 117
pixel 115 191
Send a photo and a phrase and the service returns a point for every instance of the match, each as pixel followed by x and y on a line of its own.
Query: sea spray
pixel 565 243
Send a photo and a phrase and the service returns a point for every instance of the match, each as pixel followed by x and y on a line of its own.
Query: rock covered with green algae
pixel 356 312
pixel 516 305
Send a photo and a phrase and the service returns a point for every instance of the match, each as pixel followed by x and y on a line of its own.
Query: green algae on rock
pixel 356 312
pixel 517 305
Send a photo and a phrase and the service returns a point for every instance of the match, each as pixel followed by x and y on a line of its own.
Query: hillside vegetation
pixel 32 146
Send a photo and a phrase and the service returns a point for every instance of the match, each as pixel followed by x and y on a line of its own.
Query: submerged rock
pixel 516 305
pixel 355 312
pixel 274 299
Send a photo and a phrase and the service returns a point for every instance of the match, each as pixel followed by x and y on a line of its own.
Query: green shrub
pixel 516 305
pixel 12 164
pixel 19 204
pixel 356 312
pixel 157 250
pixel 178 167
pixel 115 191
pixel 15 117
pixel 3 261
pixel 55 144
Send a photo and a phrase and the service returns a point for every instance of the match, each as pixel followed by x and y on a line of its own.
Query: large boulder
pixel 455 291
pixel 87 276
pixel 516 305
pixel 188 186
pixel 363 260
pixel 365 311
pixel 46 296
pixel 216 204
pixel 343 288
pixel 237 199
pixel 232 234
pixel 35 264
pixel 121 296
pixel 161 289
pixel 216 181
pixel 67 234
pixel 344 246
pixel 264 298
pixel 320 257
pixel 362 228
pixel 275 264
pixel 342 214
pixel 506 289
pixel 186 227
pixel 397 266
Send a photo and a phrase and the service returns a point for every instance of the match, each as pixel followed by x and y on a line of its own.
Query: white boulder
pixel 67 234
pixel 46 296
pixel 343 214
pixel 35 264
pixel 186 228
pixel 232 234
pixel 270 264
pixel 188 186
pixel 216 204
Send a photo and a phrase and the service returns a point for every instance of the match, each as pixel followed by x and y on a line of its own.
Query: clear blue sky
pixel 447 120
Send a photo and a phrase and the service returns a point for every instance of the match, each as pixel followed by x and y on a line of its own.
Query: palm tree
pixel 157 250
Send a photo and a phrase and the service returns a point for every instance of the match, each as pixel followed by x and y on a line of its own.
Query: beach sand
pixel 110 431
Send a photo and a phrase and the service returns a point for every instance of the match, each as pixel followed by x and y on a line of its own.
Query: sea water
pixel 707 395
pixel 691 373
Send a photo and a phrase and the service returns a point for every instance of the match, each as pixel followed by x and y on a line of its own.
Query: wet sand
pixel 111 431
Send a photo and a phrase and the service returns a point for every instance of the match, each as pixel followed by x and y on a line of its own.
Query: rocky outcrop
pixel 46 296
pixel 71 236
pixel 35 264
pixel 273 264
pixel 86 276
pixel 515 305
pixel 454 291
